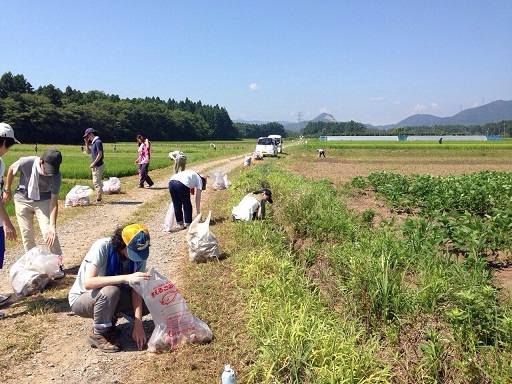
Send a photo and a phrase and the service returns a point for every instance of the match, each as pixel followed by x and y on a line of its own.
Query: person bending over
pixel 181 186
pixel 252 206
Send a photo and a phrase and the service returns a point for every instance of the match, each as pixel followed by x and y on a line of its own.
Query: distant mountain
pixel 488 113
pixel 294 126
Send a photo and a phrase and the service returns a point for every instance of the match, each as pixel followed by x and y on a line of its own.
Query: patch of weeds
pixel 368 215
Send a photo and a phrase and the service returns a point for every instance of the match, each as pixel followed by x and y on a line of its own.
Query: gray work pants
pixel 102 304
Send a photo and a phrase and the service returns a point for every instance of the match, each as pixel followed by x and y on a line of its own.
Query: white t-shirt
pixel 246 208
pixel 189 178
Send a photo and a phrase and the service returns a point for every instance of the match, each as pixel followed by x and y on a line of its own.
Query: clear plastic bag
pixel 217 179
pixel 170 218
pixel 112 185
pixel 174 323
pixel 78 196
pixel 33 271
pixel 203 245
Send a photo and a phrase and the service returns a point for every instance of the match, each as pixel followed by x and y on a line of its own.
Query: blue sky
pixel 375 62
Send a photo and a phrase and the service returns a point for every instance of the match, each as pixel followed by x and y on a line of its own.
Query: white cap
pixel 227 367
pixel 7 131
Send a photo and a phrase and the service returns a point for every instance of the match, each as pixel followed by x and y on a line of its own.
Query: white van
pixel 266 146
pixel 279 142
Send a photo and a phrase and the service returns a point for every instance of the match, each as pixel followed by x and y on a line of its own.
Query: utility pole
pixel 299 118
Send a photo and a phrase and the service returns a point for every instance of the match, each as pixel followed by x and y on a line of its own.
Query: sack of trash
pixel 112 185
pixel 78 196
pixel 257 155
pixel 202 243
pixel 218 180
pixel 169 219
pixel 174 323
pixel 247 161
pixel 33 271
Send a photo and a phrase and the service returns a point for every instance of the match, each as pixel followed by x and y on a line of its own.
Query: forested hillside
pixel 50 115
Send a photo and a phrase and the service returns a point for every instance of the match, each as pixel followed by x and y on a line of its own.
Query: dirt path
pixel 64 355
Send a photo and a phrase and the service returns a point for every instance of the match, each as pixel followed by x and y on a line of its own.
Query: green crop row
pixel 468 214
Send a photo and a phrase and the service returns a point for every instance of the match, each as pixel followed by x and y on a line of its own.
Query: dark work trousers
pixel 180 195
pixel 143 174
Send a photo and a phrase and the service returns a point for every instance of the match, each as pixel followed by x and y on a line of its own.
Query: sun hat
pixel 89 130
pixel 136 238
pixel 7 131
pixel 52 159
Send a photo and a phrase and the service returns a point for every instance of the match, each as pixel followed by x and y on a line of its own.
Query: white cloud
pixel 419 108
pixel 324 110
pixel 435 106
pixel 396 102
pixel 254 86
pixel 378 98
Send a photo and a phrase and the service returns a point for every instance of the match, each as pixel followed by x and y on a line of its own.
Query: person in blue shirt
pixel 94 147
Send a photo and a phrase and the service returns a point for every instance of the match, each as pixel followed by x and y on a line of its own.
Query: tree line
pixel 50 115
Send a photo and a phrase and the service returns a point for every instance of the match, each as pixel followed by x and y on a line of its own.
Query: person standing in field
pixel 180 160
pixel 142 160
pixel 321 152
pixel 7 230
pixel 181 186
pixel 36 196
pixel 94 146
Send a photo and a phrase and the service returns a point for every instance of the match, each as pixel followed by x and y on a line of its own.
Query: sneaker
pixel 98 200
pixel 4 298
pixel 60 273
pixel 102 343
pixel 182 226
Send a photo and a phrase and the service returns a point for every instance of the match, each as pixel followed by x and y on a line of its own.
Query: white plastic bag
pixel 77 196
pixel 247 161
pixel 174 323
pixel 33 271
pixel 217 179
pixel 257 155
pixel 112 185
pixel 202 243
pixel 227 183
pixel 170 218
